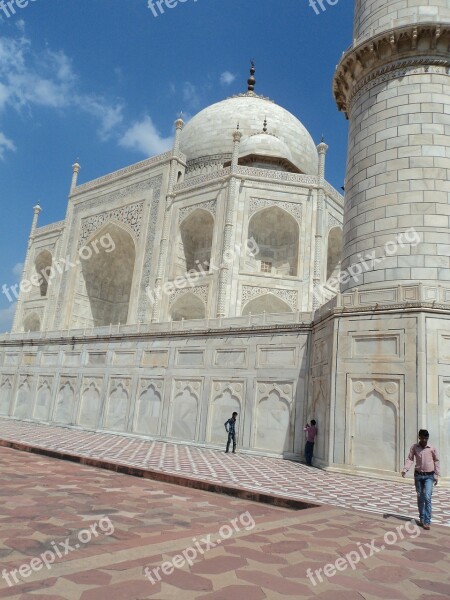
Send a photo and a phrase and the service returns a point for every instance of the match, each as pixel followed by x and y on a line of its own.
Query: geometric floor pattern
pixel 74 532
pixel 245 471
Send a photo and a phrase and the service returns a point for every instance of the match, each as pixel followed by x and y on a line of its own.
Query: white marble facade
pixel 296 307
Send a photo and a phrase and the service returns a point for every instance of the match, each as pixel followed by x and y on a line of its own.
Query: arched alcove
pixel 188 306
pixel 149 411
pixel 276 233
pixel 195 241
pixel 43 264
pixel 272 423
pixel 334 250
pixel 374 435
pixel 105 279
pixel 32 323
pixel 266 303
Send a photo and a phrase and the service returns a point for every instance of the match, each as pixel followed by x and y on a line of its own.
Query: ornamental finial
pixel 251 81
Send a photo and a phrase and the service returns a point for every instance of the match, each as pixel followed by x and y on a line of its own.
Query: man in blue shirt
pixel 230 428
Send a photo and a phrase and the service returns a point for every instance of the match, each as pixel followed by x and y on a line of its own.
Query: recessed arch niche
pixel 276 234
pixel 266 303
pixel 105 279
pixel 334 250
pixel 188 306
pixel 32 322
pixel 195 242
pixel 43 266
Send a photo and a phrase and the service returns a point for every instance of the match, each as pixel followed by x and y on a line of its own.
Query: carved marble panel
pixel 29 358
pixel 124 357
pixel 43 402
pixel 23 408
pixel 190 357
pixel 155 358
pixel 90 407
pixel 209 205
pixel 118 404
pixel 274 356
pixel 65 408
pixel 378 346
pixel 129 215
pixel 232 357
pixel 293 208
pixel 6 394
pixel 226 398
pixel 148 413
pixel 96 359
pixel 273 428
pixel 72 359
pixel 289 296
pixel 185 409
pixel 49 359
pixel 374 422
pixel 11 359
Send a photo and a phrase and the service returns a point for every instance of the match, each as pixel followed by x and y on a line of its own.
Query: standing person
pixel 426 473
pixel 311 432
pixel 230 428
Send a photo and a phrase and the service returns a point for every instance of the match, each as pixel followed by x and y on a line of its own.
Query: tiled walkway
pixel 247 472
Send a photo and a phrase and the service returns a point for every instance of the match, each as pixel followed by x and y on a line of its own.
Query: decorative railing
pixel 48 228
pixel 264 320
pixel 144 164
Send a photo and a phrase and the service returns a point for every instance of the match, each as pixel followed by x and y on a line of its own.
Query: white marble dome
pixel 209 133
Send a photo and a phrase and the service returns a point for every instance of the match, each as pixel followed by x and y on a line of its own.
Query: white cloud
pixel 17 271
pixel 190 95
pixel 7 317
pixel 31 78
pixel 5 144
pixel 226 78
pixel 144 136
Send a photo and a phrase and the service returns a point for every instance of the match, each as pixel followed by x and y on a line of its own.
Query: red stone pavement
pixel 100 531
pixel 212 469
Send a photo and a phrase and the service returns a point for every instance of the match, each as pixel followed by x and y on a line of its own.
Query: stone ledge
pixel 181 480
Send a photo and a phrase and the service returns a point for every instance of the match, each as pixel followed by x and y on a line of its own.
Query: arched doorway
pixel 334 250
pixel 32 323
pixel 43 265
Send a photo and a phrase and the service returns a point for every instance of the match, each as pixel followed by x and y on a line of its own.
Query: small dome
pixel 265 144
pixel 209 133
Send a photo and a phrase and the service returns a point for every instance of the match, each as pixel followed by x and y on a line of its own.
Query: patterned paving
pixel 238 550
pixel 244 471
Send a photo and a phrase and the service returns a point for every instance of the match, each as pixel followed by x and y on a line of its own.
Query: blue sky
pixel 104 80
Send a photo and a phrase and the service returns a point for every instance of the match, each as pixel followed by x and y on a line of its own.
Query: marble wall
pixel 176 388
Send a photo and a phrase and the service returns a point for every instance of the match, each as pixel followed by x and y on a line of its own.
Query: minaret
pixel 394 86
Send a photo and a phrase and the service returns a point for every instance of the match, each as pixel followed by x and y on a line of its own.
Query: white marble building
pixel 120 340
pixel 127 342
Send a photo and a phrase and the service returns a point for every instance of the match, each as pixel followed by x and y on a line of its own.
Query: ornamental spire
pixel 251 80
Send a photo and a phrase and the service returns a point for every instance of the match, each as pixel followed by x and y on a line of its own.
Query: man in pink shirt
pixel 311 432
pixel 426 473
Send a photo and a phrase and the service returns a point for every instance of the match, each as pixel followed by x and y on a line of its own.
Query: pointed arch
pixel 268 303
pixel 32 322
pixel 105 278
pixel 43 264
pixel 276 234
pixel 334 250
pixel 195 241
pixel 188 306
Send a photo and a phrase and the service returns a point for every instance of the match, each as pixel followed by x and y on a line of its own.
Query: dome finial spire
pixel 251 80
pixel 265 125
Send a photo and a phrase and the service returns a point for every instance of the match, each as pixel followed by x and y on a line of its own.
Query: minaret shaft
pixel 394 86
